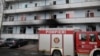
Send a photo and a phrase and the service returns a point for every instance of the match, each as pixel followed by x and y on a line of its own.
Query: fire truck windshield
pixel 83 37
pixel 92 37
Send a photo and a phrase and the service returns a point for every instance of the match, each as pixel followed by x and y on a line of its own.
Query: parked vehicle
pixel 12 42
pixel 2 42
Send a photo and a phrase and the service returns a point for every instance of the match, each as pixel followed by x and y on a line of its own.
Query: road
pixel 17 52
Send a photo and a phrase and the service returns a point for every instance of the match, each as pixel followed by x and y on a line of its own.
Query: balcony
pixel 55 7
pixel 62 21
pixel 22 36
pixel 31 22
pixel 80 20
pixel 9 0
pixel 13 0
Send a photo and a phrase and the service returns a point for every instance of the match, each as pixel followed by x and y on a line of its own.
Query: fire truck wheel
pixel 96 53
pixel 56 53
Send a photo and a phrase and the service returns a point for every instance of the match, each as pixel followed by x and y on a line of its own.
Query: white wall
pixel 18 30
pixel 79 13
pixel 29 17
pixel 98 27
pixel 29 30
pixel 77 1
pixel 14 30
pixel 81 27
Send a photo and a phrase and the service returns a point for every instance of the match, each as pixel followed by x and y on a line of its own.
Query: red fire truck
pixel 67 42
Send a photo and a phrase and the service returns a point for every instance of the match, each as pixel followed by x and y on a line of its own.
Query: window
pixel 11 18
pixel 22 30
pixel 67 1
pixel 35 30
pixel 91 28
pixel 98 10
pixel 30 1
pixel 35 4
pixel 54 17
pixel 37 17
pixel 90 14
pixel 6 6
pixel 4 30
pixel 67 15
pixel 99 36
pixel 26 6
pixel 5 18
pixel 83 37
pixel 8 30
pixel 92 37
pixel 23 17
pixel 61 12
pixel 11 7
pixel 87 13
pixel 54 2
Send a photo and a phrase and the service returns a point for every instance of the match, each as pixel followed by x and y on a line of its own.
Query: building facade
pixel 21 18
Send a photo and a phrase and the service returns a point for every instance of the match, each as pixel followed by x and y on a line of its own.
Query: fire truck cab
pixel 67 42
pixel 87 43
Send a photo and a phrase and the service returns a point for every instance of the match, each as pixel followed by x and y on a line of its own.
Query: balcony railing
pixel 18 22
pixel 21 36
pixel 54 7
pixel 41 0
pixel 60 20
pixel 80 20
pixel 14 0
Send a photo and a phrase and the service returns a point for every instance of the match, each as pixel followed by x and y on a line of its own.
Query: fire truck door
pixel 82 42
pixel 68 45
pixel 56 41
pixel 92 40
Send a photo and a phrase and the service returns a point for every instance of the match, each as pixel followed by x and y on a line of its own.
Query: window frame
pixel 92 39
pixel 67 1
pixel 36 4
pixel 67 16
pixel 22 30
pixel 7 30
pixel 54 17
pixel 35 30
pixel 11 18
pixel 11 7
pixel 26 5
pixel 81 37
pixel 91 28
pixel 35 17
pixel 54 2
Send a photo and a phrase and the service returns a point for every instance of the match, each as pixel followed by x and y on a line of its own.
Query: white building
pixel 20 18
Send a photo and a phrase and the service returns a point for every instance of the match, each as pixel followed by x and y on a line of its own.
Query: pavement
pixel 29 47
pixel 17 52
pixel 27 50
